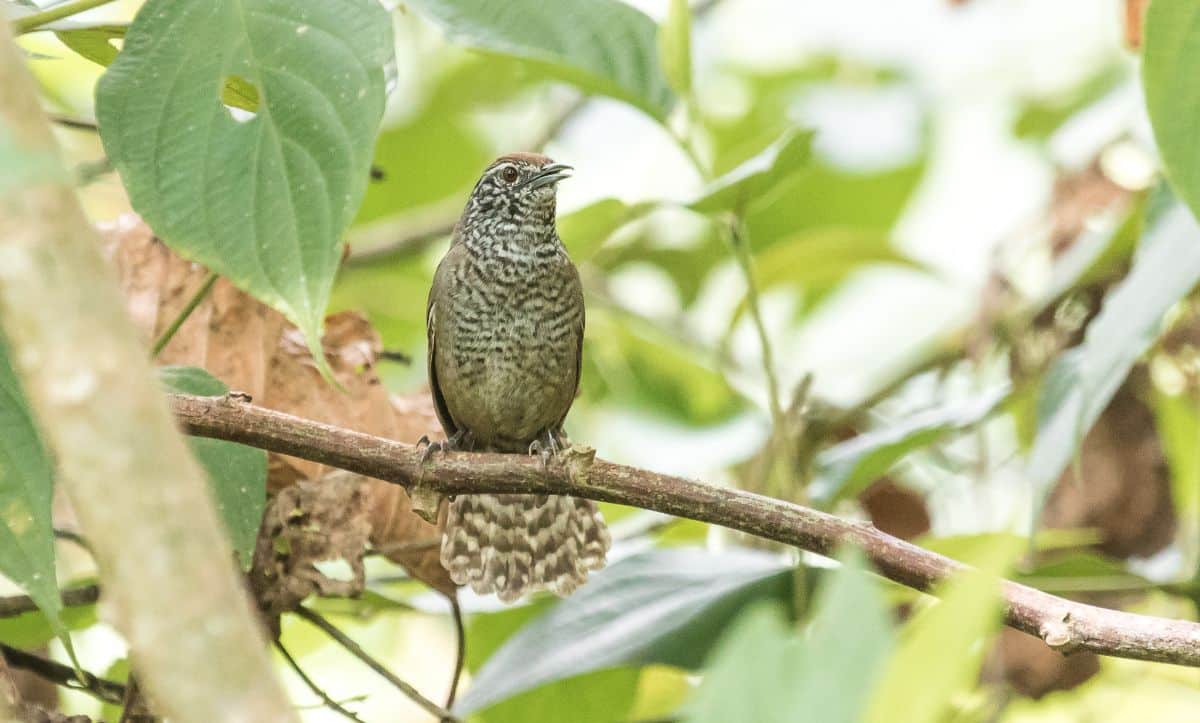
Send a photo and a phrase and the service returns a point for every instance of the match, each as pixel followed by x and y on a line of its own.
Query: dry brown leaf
pixel 305 524
pixel 253 349
pixel 1124 490
pixel 1034 669
pixel 396 531
pixel 896 510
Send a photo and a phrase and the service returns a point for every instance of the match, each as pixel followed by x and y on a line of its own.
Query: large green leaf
pixel 942 648
pixel 762 671
pixel 1080 384
pixel 655 607
pixel 1177 420
pixel 602 46
pixel 847 468
pixel 262 200
pixel 26 489
pixel 1170 65
pixel 237 474
pixel 758 176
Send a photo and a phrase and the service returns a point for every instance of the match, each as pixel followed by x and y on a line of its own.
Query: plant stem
pixel 33 22
pixel 184 313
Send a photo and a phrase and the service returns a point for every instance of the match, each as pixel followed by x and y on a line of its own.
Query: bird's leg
pixel 459 441
pixel 548 445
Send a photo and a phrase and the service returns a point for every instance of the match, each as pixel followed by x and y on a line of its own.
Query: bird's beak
pixel 549 175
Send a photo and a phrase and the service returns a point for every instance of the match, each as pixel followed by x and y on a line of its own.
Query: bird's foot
pixel 548 446
pixel 459 441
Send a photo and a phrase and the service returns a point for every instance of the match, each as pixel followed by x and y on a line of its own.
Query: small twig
pixel 184 313
pixel 460 655
pixel 74 538
pixel 395 548
pixel 79 124
pixel 10 607
pixel 106 690
pixel 396 356
pixel 35 21
pixel 325 699
pixel 354 649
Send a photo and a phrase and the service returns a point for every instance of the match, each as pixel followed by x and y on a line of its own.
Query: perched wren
pixel 505 329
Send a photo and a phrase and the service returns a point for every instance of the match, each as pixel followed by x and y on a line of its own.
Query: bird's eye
pixel 509 174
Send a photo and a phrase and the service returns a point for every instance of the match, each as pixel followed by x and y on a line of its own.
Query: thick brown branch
pixel 1065 625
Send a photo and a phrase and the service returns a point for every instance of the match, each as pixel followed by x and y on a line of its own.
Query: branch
pixel 356 650
pixel 1064 625
pixel 325 699
pixel 142 500
pixel 64 675
pixel 10 607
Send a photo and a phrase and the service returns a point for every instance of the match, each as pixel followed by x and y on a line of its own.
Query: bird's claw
pixel 428 448
pixel 548 447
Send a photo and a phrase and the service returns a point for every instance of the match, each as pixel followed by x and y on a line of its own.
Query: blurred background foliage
pixel 981 179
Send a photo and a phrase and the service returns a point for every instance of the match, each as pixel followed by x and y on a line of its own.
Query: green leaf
pixel 262 200
pixel 1040 118
pixel 848 468
pixel 630 361
pixel 34 629
pixel 656 607
pixel 1080 384
pixel 94 42
pixel 761 671
pixel 237 474
pixel 26 490
pixel 600 697
pixel 585 230
pixel 602 46
pixel 1178 423
pixel 1170 64
pixel 942 648
pixel 821 196
pixel 1081 572
pixel 821 259
pixel 675 46
pixel 758 176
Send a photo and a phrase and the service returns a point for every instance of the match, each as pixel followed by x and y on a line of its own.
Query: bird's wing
pixel 577 291
pixel 441 278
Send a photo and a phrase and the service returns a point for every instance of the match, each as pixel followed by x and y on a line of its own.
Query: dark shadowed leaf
pixel 1082 382
pixel 602 46
pixel 237 474
pixel 261 199
pixel 26 489
pixel 656 607
pixel 763 671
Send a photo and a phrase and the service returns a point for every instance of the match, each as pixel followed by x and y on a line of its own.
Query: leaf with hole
pixel 260 198
pixel 602 46
pixel 26 490
pixel 656 607
pixel 237 474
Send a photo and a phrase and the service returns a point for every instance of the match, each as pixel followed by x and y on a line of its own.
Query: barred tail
pixel 513 544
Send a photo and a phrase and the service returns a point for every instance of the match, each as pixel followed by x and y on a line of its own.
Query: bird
pixel 504 322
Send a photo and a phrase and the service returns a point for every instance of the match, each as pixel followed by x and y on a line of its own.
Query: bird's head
pixel 519 189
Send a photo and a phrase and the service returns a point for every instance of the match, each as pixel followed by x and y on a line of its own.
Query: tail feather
pixel 514 544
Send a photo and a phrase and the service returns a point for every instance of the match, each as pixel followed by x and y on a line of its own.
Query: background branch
pixel 171 587
pixel 1063 624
